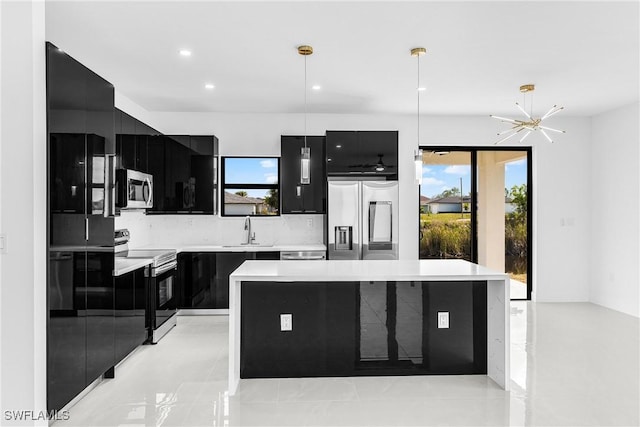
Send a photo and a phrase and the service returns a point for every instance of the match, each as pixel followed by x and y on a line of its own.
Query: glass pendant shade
pixel 418 164
pixel 305 165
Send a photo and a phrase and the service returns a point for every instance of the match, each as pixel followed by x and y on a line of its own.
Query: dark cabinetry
pixel 132 138
pixel 322 341
pixel 81 141
pixel 297 197
pixel 130 301
pixel 363 328
pixel 184 167
pixel 190 173
pixel 204 276
pixel 367 153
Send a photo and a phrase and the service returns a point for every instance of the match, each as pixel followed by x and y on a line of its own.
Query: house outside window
pixel 250 186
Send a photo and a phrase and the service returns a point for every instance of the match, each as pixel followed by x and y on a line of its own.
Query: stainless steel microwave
pixel 135 189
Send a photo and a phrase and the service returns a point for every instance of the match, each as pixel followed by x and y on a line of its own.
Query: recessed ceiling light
pixel 316 87
pixel 209 86
pixel 422 89
pixel 185 52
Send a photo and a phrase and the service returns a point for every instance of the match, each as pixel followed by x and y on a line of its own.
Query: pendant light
pixel 305 152
pixel 417 157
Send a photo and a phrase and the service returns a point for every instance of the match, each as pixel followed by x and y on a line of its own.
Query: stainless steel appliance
pixel 302 255
pixel 135 189
pixel 362 219
pixel 162 295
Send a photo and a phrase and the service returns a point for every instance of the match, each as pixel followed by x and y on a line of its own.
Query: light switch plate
pixel 3 244
pixel 443 320
pixel 286 322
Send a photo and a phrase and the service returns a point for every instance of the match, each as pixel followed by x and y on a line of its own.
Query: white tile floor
pixel 572 364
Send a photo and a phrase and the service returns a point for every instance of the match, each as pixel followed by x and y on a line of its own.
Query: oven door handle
pixel 164 268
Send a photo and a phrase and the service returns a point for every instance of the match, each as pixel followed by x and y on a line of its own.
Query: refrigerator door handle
pixel 360 221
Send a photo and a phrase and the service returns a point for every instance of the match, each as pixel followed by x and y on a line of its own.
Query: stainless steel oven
pixel 162 294
pixel 162 299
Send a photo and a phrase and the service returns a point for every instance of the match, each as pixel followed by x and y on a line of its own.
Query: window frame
pixel 247 186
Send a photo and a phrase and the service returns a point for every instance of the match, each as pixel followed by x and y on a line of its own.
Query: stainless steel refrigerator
pixel 362 219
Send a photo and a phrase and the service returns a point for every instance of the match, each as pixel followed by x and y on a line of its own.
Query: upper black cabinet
pixel 297 197
pixel 184 167
pixel 188 169
pixel 132 139
pixel 362 153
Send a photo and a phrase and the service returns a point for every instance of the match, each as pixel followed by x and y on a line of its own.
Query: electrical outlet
pixel 310 223
pixel 286 322
pixel 443 320
pixel 3 244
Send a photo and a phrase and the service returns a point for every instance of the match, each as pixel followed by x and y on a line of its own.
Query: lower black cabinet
pixel 203 277
pixel 362 328
pixel 322 341
pixel 130 301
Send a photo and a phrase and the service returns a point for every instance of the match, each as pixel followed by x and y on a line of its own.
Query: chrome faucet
pixel 247 228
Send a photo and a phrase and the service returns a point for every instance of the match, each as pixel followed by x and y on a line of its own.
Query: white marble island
pixel 448 274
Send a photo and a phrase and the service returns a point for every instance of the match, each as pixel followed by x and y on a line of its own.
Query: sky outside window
pixel 438 178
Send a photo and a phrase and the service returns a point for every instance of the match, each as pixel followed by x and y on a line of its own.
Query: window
pixel 250 186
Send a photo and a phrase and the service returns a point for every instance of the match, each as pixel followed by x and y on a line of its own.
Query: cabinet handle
pixel 298 190
pixel 86 228
pixel 109 185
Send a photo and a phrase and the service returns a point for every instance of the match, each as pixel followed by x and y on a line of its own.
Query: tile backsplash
pixel 177 230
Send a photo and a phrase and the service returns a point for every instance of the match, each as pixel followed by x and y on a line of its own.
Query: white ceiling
pixel 583 55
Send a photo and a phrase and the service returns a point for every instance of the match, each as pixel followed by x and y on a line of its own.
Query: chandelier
pixel 530 124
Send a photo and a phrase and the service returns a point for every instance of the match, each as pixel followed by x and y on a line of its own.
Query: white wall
pixel 23 209
pixel 615 189
pixel 560 187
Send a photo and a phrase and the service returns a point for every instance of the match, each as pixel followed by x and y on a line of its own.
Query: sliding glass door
pixel 474 205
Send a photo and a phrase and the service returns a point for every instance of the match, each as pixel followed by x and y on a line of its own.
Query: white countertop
pixel 244 248
pixel 357 270
pixel 126 265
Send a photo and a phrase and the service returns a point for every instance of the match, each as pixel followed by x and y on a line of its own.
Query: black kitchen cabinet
pixel 184 169
pixel 203 277
pixel 177 173
pixel 362 153
pixel 297 197
pixel 156 167
pixel 81 140
pixel 132 138
pixel 130 304
pixel 362 329
pixel 196 279
pixel 204 174
pixel 226 263
pixel 322 342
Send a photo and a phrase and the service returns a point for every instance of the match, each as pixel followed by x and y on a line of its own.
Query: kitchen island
pixel 348 318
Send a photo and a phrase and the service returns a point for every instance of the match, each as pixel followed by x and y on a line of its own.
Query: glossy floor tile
pixel 572 364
